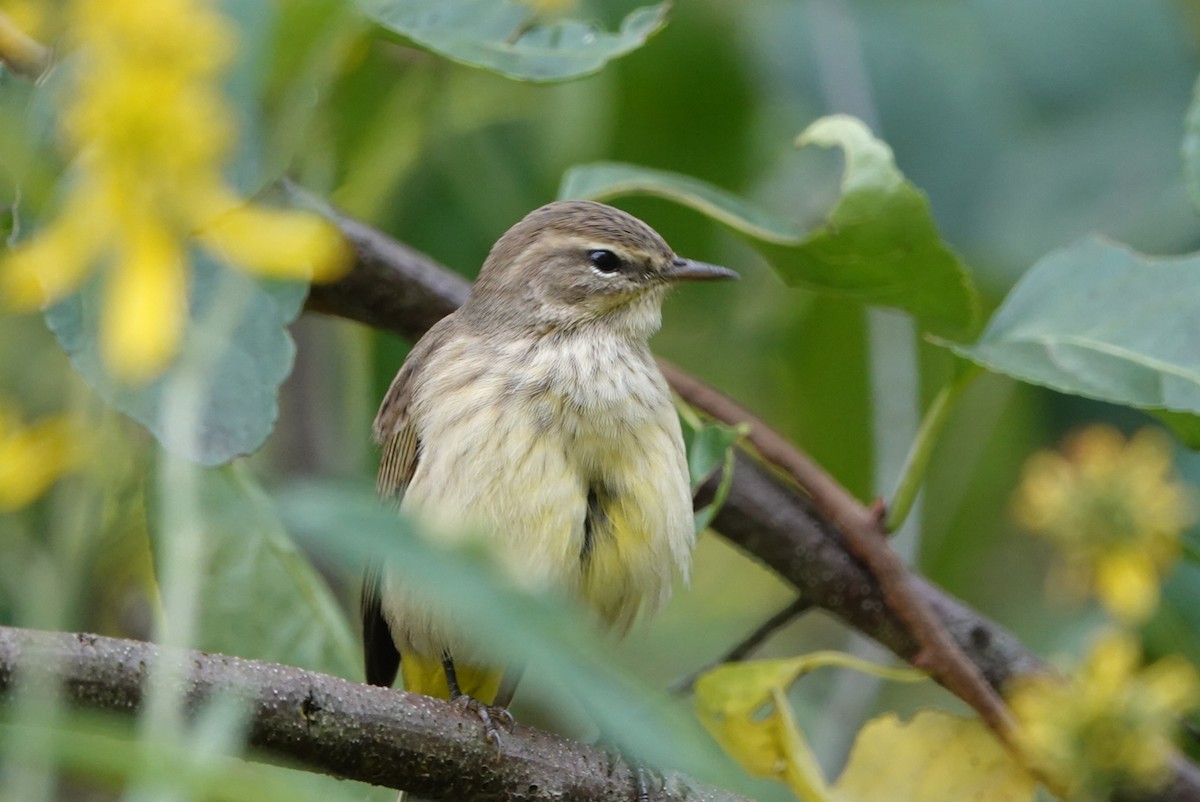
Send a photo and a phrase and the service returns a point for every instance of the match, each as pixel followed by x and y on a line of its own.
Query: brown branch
pixel 862 530
pixel 391 287
pixel 346 729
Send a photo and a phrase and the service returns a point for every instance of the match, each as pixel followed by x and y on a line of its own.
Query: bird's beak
pixel 688 270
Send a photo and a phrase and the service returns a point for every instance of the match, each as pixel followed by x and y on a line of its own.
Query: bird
pixel 536 416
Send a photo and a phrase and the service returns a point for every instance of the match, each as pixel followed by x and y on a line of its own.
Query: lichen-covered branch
pixel 347 729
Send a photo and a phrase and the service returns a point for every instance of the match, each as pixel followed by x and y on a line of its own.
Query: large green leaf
pixel 260 597
pixel 879 243
pixel 1098 320
pixel 511 626
pixel 506 37
pixel 235 353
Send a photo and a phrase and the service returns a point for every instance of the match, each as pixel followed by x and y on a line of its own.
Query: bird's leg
pixel 643 790
pixel 486 713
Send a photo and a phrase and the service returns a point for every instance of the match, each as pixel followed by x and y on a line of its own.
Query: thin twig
pixel 746 646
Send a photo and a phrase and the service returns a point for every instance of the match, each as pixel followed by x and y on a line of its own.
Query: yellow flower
pixel 1115 511
pixel 33 457
pixel 149 133
pixel 1111 724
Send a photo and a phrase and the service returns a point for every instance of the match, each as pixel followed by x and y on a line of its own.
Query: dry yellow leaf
pixel 745 707
pixel 936 757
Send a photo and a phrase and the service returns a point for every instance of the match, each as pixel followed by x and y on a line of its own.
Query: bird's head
pixel 575 263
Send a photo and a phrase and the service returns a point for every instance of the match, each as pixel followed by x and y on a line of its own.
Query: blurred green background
pixel 1028 124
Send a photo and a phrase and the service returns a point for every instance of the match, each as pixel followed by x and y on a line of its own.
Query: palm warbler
pixel 535 414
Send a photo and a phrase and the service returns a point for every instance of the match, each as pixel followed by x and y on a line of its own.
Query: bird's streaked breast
pixel 584 419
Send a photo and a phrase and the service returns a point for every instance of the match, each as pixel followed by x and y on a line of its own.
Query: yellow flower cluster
pixel 1111 725
pixel 1114 509
pixel 149 133
pixel 33 457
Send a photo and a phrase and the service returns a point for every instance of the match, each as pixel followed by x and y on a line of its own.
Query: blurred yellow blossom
pixel 33 457
pixel 1114 509
pixel 149 132
pixel 1111 724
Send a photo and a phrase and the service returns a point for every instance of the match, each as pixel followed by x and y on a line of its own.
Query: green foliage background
pixel 1028 125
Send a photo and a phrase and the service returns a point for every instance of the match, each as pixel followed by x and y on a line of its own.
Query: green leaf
pixel 236 348
pixel 1191 147
pixel 604 180
pixel 878 245
pixel 505 36
pixel 235 345
pixel 260 597
pixel 1184 425
pixel 511 626
pixel 709 448
pixel 1098 320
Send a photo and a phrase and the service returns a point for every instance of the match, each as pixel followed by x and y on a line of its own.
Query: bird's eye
pixel 604 261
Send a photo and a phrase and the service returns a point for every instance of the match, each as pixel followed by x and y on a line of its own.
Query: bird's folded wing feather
pixel 396 432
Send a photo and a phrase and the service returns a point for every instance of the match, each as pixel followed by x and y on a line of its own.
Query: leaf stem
pixel 916 464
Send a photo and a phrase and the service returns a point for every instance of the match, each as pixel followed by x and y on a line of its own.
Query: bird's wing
pixel 396 432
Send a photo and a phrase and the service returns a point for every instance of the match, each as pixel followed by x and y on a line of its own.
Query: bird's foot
pixel 642 776
pixel 489 715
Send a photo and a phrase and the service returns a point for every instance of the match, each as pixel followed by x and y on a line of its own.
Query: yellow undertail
pixel 425 675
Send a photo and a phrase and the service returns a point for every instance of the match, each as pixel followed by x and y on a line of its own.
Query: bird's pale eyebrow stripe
pixel 621 249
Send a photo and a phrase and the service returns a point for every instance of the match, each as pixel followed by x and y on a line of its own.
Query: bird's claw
pixel 504 717
pixel 489 716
